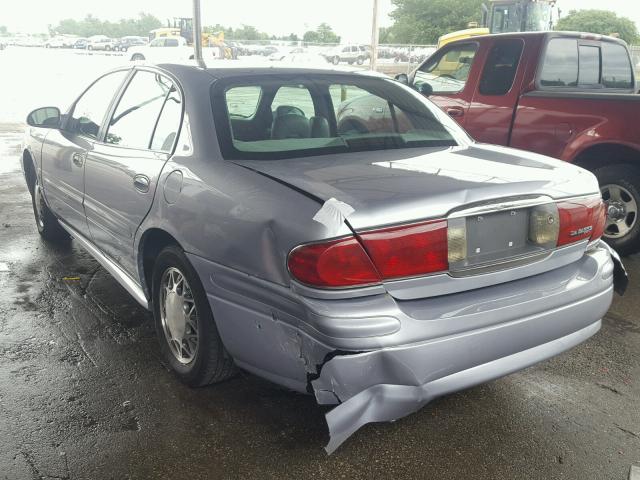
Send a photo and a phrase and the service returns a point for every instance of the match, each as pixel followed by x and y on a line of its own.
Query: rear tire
pixel 620 188
pixel 335 60
pixel 188 336
pixel 47 224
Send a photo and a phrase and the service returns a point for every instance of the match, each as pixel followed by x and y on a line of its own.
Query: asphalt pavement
pixel 84 393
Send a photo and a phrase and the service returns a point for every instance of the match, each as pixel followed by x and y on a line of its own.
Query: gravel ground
pixel 84 393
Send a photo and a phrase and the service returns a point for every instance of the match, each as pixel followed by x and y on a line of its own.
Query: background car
pixel 347 53
pixel 80 43
pixel 285 51
pixel 163 49
pixel 123 44
pixel 100 42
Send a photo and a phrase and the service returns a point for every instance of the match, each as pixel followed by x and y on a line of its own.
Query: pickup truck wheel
pixel 48 226
pixel 620 188
pixel 187 332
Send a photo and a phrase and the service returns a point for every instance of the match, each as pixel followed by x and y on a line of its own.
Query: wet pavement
pixel 84 393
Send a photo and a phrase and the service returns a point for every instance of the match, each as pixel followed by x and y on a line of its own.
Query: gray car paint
pixel 380 352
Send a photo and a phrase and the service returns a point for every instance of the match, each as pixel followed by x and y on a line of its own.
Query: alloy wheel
pixel 179 315
pixel 622 210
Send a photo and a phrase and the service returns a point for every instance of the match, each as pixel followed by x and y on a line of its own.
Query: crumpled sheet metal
pixel 386 401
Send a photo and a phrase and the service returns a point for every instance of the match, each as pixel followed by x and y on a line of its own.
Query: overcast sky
pixel 350 18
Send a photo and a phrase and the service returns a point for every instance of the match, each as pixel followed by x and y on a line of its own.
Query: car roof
pixel 225 70
pixel 554 34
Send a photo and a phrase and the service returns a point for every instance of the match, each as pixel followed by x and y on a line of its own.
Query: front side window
pixel 326 114
pixel 616 66
pixel 448 72
pixel 171 42
pixel 501 67
pixel 135 117
pixel 90 110
pixel 560 67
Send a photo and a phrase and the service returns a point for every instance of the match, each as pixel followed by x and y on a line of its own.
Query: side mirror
pixel 402 78
pixel 45 117
pixel 425 89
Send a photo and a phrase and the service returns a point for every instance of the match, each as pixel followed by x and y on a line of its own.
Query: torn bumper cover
pixel 390 383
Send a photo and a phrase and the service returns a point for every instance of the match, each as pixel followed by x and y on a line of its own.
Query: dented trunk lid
pixel 388 187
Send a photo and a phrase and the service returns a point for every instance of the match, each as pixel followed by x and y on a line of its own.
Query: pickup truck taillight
pixel 428 247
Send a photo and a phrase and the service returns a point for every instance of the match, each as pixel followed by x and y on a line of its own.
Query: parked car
pixel 60 41
pixel 163 49
pixel 80 43
pixel 571 96
pixel 283 52
pixel 347 53
pixel 100 42
pixel 123 44
pixel 379 268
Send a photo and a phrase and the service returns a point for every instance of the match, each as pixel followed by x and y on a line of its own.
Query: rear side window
pixel 589 65
pixel 243 101
pixel 168 125
pixel 560 68
pixel 135 117
pixel 616 67
pixel 501 67
pixel 171 42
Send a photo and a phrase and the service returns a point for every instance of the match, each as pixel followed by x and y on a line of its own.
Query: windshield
pixel 285 116
pixel 538 17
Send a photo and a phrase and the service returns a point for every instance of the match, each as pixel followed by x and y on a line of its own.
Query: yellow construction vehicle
pixel 502 16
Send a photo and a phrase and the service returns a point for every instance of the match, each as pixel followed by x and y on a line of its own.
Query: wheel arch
pixel 604 154
pixel 29 169
pixel 151 244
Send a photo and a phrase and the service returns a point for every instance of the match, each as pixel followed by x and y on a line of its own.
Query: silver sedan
pixel 332 232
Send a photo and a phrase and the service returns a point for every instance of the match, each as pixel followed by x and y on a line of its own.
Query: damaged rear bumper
pixel 379 358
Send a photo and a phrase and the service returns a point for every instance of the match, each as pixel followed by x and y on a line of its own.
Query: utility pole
pixel 197 34
pixel 375 35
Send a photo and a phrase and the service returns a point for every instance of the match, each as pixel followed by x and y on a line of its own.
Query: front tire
pixel 188 336
pixel 360 60
pixel 47 224
pixel 336 60
pixel 620 188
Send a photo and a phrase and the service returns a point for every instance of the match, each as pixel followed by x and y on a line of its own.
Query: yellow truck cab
pixel 462 34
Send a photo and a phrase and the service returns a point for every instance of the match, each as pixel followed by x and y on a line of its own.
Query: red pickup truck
pixel 567 95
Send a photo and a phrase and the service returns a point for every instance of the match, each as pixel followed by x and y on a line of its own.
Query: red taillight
pixel 409 250
pixel 393 252
pixel 336 263
pixel 581 219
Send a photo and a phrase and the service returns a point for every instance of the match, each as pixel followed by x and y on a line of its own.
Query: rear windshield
pixel 285 116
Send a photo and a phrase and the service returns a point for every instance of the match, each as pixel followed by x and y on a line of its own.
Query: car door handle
pixel 78 159
pixel 141 183
pixel 455 112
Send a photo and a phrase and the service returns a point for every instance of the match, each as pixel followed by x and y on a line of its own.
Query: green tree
pixel 424 21
pixel 323 34
pixel 91 25
pixel 601 22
